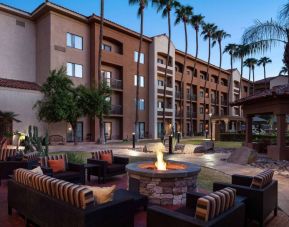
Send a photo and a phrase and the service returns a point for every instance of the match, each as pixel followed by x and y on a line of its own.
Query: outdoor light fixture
pixel 133 140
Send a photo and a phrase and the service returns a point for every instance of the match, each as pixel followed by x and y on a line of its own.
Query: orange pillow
pixel 57 166
pixel 106 157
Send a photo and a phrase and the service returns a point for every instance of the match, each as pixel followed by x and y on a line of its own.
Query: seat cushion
pixel 115 168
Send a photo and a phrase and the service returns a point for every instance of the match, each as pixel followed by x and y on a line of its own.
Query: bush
pixel 76 158
pixel 239 137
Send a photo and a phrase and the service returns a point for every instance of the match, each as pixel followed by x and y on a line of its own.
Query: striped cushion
pixel 203 209
pixel 97 155
pixel 262 179
pixel 23 176
pixel 44 160
pixel 6 153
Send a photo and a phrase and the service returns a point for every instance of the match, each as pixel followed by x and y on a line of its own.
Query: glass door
pixel 107 130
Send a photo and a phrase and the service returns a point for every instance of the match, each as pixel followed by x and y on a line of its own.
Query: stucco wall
pixel 18 48
pixel 21 102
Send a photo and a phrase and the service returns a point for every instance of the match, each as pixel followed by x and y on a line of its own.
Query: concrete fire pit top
pixel 189 170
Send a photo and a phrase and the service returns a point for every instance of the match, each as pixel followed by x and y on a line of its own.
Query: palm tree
pixel 208 31
pixel 250 63
pixel 231 50
pixel 218 37
pixel 283 71
pixel 195 21
pixel 262 36
pixel 6 118
pixel 166 6
pixel 100 41
pixel 264 61
pixel 142 4
pixel 241 51
pixel 183 14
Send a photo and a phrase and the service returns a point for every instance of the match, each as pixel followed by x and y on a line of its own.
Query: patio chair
pixel 262 198
pixel 201 210
pixel 74 173
pixel 110 165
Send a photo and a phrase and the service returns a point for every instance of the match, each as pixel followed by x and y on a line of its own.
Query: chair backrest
pixel 76 195
pixel 32 156
pixel 214 204
pixel 44 160
pixel 5 153
pixel 262 179
pixel 97 154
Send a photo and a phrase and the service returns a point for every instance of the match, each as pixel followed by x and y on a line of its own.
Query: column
pixel 214 129
pixel 249 135
pixel 226 125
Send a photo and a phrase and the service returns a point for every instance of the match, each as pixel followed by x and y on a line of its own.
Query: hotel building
pixel 52 36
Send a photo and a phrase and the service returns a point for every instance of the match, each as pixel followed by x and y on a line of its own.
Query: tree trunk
pixel 100 41
pixel 206 77
pixel 253 81
pixel 73 126
pixel 182 78
pixel 137 75
pixel 218 78
pixel 264 67
pixel 249 81
pixel 229 85
pixel 286 58
pixel 101 131
pixel 192 79
pixel 241 78
pixel 166 76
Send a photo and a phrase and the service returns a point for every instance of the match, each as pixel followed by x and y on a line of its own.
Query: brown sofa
pixel 46 202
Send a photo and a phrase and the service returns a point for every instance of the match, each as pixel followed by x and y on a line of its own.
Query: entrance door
pixel 141 130
pixel 160 128
pixel 107 130
pixel 79 133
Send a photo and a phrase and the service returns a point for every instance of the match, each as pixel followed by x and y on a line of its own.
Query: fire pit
pixel 163 183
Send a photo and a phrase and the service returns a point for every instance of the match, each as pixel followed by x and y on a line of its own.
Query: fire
pixel 160 163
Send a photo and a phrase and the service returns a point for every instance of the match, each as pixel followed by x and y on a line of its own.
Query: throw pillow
pixel 37 170
pixel 57 166
pixel 106 157
pixel 102 194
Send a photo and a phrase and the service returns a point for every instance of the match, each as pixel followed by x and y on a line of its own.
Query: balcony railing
pixel 178 94
pixel 194 115
pixel 224 102
pixel 116 84
pixel 193 96
pixel 178 114
pixel 116 110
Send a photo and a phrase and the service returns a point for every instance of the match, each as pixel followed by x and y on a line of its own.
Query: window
pixel 106 76
pixel 201 110
pixel 202 93
pixel 160 61
pixel 141 104
pixel 160 104
pixel 245 89
pixel 74 70
pixel 106 47
pixel 160 83
pixel 140 82
pixel 74 41
pixel 141 57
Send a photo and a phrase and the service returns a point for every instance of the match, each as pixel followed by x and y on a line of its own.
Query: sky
pixel 233 16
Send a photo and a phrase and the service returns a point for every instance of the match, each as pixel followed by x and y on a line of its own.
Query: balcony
pixel 178 114
pixel 116 84
pixel 177 94
pixel 116 110
pixel 191 96
pixel 224 102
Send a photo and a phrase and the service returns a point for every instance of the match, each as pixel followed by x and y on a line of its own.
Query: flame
pixel 160 163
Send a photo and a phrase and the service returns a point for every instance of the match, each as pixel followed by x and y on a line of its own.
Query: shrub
pixel 76 158
pixel 239 137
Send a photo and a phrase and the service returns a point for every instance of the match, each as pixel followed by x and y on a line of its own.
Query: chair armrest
pixel 241 180
pixel 192 198
pixel 120 160
pixel 159 216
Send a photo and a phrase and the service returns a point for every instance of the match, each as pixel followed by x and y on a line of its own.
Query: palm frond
pixel 284 14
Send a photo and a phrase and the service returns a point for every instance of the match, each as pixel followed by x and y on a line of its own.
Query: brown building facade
pixel 55 36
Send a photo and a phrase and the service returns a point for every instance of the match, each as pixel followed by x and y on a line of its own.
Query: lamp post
pixel 211 126
pixel 133 140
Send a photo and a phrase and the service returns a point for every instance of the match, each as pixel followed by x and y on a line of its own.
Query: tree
pixel 100 41
pixel 6 118
pixel 241 51
pixel 264 61
pixel 142 4
pixel 283 71
pixel 231 50
pixel 61 101
pixel 95 103
pixel 208 31
pixel 218 37
pixel 262 36
pixel 195 21
pixel 250 63
pixel 183 14
pixel 166 6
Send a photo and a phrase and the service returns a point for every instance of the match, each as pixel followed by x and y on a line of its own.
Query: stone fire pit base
pixel 163 187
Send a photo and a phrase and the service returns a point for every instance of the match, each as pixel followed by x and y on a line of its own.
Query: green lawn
pixel 205 179
pixel 219 144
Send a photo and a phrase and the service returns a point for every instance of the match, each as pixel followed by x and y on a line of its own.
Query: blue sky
pixel 231 15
